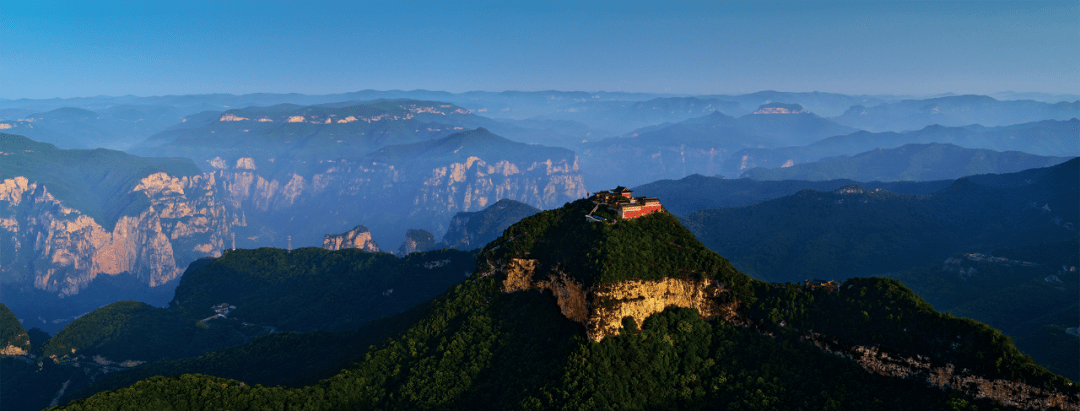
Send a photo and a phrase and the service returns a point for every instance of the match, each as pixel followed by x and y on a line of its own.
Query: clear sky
pixel 71 49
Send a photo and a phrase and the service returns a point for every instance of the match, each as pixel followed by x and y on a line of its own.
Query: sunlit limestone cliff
pixel 62 249
pixel 601 273
pixel 418 185
pixel 602 313
pixel 358 237
pixel 67 216
pixel 609 276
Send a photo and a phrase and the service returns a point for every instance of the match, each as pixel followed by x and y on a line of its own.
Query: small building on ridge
pixel 624 204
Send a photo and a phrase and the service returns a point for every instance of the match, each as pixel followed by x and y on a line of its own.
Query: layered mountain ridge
pixel 872 338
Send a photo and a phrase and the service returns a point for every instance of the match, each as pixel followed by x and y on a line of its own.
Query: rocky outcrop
pixel 61 250
pixel 358 237
pixel 416 241
pixel 17 345
pixel 470 230
pixel 602 308
pixel 390 197
pixel 1004 392
pixel 475 184
pixel 13 350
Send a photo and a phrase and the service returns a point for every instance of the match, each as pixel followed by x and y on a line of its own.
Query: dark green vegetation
pixel 698 145
pixel 12 333
pixel 472 230
pixel 131 330
pixel 311 288
pixel 653 247
pixel 24 383
pixel 1045 138
pixel 272 291
pixel 287 358
pixel 912 162
pixel 102 291
pixel 476 347
pixel 853 232
pixel 880 312
pixel 1030 216
pixel 98 183
pixel 1030 296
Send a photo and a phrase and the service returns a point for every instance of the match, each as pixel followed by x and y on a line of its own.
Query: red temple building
pixel 624 204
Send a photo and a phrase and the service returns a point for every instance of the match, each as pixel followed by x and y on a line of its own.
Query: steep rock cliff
pixel 602 308
pixel 358 237
pixel 391 192
pixel 416 241
pixel 470 230
pixel 59 249
pixel 1008 393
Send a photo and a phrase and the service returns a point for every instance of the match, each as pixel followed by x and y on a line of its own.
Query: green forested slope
pixel 854 232
pixel 648 248
pixel 274 291
pixel 11 331
pixel 910 162
pixel 472 230
pixel 312 288
pixel 98 182
pixel 477 347
pixel 132 330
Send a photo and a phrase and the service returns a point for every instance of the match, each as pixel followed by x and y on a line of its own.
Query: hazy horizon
pixel 65 50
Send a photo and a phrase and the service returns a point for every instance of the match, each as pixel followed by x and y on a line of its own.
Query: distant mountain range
pixel 699 145
pixel 696 192
pixel 115 127
pixel 852 231
pixel 618 117
pixel 552 118
pixel 1045 138
pixel 824 104
pixel 472 230
pixel 637 314
pixel 954 111
pixel 911 162
pixel 69 217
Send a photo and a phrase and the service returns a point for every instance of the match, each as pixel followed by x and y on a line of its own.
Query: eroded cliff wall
pixel 601 308
pixel 388 198
pixel 358 237
pixel 58 249
pixel 946 376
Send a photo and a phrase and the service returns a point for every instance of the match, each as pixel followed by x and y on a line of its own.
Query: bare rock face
pixel 1004 392
pixel 602 308
pixel 60 249
pixel 358 237
pixel 17 345
pixel 474 184
pixel 390 195
pixel 416 241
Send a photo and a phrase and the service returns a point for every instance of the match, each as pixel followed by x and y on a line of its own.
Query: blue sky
pixel 69 49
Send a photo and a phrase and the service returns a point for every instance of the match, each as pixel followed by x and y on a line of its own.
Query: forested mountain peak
pixel 603 272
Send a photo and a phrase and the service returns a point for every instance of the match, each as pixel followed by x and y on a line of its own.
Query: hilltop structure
pixel 624 204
